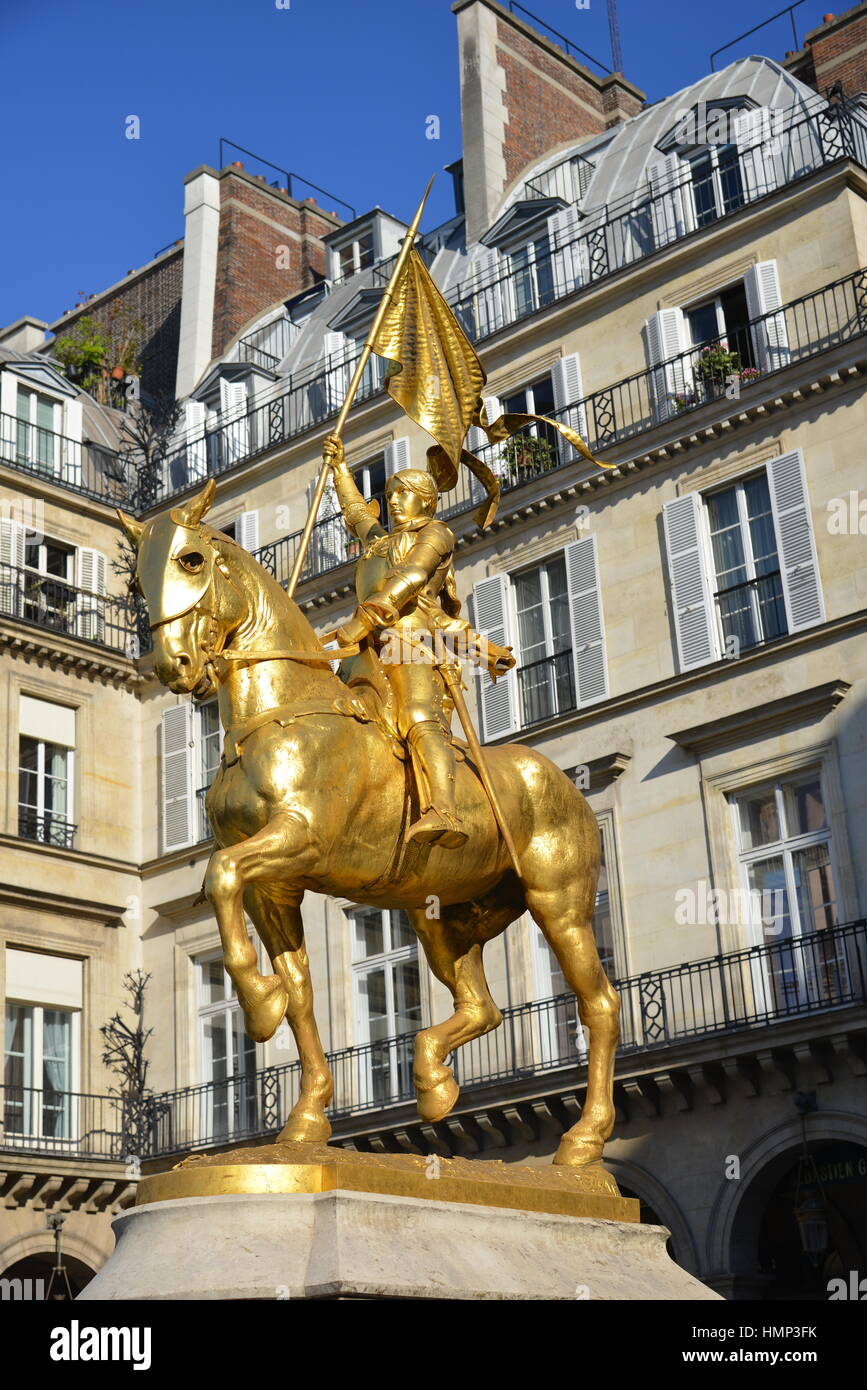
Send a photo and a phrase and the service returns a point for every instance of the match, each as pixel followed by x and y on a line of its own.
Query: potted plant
pixel 716 363
pixel 526 456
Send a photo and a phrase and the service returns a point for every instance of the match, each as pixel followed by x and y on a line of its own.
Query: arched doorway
pixel 34 1271
pixel 834 1184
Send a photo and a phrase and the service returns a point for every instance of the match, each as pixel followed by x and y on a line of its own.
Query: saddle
pixel 369 699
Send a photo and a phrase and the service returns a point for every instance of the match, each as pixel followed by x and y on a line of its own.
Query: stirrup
pixel 438 828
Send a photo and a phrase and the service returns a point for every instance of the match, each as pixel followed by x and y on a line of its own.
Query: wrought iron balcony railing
pixel 546 687
pixel 44 601
pixel 751 613
pixel 95 471
pixel 700 192
pixel 785 979
pixel 46 828
pixel 799 330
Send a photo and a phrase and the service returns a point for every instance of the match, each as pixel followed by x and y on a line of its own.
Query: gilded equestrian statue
pixel 315 793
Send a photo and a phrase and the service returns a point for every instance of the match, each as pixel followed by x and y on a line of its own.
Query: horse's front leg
pixel 272 853
pixel 280 926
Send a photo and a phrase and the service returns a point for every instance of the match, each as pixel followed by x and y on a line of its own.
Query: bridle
pixel 213 654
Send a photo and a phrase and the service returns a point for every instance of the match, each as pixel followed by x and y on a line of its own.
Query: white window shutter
pixel 193 425
pixel 488 293
pixel 247 531
pixel 337 372
pixel 666 340
pixel 234 421
pixel 90 577
pixel 73 420
pixel 796 544
pixel 585 612
pixel 397 455
pixel 691 597
pixel 756 152
pixel 330 537
pixel 178 792
pixel 672 209
pixel 498 704
pixel 13 538
pixel 569 405
pixel 762 286
pixel 91 570
pixel 566 269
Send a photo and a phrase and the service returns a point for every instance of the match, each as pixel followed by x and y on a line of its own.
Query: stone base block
pixel 349 1244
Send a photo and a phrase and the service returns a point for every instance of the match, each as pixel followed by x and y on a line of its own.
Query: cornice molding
pixel 769 717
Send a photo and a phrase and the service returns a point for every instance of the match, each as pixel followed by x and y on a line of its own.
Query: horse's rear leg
pixel 569 933
pixel 282 930
pixel 453 946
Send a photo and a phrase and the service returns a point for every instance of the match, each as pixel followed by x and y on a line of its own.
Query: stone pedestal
pixel 313 1222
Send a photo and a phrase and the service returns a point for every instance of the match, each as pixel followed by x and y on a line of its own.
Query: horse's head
pixel 186 583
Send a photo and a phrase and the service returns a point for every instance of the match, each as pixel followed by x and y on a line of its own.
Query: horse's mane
pixel 297 630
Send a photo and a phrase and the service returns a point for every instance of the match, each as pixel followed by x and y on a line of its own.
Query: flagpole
pixel 364 358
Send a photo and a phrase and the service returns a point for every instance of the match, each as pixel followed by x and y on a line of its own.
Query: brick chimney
pixel 835 52
pixel 247 245
pixel 522 98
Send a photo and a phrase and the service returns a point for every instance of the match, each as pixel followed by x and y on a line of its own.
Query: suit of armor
pixel 406 589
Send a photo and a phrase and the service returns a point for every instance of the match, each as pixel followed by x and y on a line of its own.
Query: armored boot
pixel 433 761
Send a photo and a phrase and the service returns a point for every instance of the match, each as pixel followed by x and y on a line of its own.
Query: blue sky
pixel 337 91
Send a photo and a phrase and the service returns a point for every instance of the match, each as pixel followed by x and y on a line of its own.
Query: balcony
pixel 708 372
pixel 47 828
pixel 43 601
pixel 618 235
pixel 97 472
pixel 785 980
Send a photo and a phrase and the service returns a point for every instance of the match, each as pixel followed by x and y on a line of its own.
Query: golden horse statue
pixel 313 795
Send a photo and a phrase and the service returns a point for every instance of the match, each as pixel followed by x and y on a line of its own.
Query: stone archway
pixel 31 1256
pixel 635 1180
pixel 31 1277
pixel 737 1216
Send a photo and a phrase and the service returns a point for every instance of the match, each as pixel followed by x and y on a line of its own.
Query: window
pixel 387 1002
pixel 717 186
pixel 45 792
pixel 210 741
pixel 551 615
pixel 749 594
pixel 726 316
pixel 545 678
pixel 354 256
pixel 37 433
pixel 531 278
pixel 742 563
pixel 37 1073
pixel 534 450
pixel 47 596
pixel 785 852
pixel 227 1055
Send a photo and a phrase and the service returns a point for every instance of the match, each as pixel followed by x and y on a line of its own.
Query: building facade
pixel 685 284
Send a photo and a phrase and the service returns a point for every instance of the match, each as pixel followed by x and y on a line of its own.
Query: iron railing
pixel 795 332
pixel 268 345
pixel 47 828
pixel 546 687
pixel 616 235
pixel 44 1120
pixel 44 601
pixel 753 612
pixel 331 545
pixel 783 979
pixel 91 469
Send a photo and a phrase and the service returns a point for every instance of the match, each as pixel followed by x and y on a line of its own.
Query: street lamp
pixel 811 1210
pixel 59 1275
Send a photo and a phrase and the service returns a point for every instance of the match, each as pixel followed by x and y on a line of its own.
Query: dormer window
pixel 362 244
pixel 354 256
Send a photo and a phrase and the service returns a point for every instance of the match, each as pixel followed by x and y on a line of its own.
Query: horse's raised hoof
pixel 305 1127
pixel 574 1151
pixel 264 1006
pixel 435 1102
